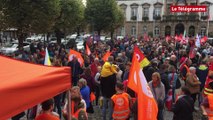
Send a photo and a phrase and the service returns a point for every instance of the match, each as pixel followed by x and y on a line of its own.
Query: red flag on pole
pixel 141 58
pixel 147 106
pixel 105 57
pixel 204 39
pixel 88 50
pixel 77 55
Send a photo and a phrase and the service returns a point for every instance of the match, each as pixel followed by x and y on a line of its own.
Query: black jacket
pixel 183 108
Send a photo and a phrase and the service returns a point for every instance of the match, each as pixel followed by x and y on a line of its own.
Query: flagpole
pixel 137 26
pixel 207 28
pixel 69 105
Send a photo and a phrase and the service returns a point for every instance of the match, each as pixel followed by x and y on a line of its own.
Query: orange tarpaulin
pixel 23 85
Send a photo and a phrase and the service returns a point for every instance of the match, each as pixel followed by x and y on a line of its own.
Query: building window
pixel 157 11
pixel 133 31
pixel 157 31
pixel 203 31
pixel 145 12
pixel 167 31
pixel 191 31
pixel 134 12
pixel 144 29
pixel 204 15
pixel 122 31
pixel 123 8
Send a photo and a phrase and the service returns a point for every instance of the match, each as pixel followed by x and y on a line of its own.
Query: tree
pixel 36 16
pixel 99 13
pixel 118 20
pixel 71 17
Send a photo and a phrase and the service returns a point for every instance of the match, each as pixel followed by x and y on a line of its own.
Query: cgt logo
pixel 120 101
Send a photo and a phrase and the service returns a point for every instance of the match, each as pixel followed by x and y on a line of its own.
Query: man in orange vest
pixel 184 68
pixel 121 103
pixel 207 88
pixel 207 105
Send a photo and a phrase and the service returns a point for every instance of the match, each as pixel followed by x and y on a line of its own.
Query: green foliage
pixel 101 13
pixel 118 19
pixel 30 15
pixel 71 15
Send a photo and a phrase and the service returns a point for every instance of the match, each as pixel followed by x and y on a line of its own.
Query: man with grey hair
pixel 193 83
pixel 85 91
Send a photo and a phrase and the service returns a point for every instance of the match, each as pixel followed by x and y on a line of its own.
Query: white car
pixel 80 45
pixel 73 36
pixel 13 47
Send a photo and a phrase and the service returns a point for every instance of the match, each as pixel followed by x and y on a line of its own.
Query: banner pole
pixel 69 105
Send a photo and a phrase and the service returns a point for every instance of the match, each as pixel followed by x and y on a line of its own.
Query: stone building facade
pixel 154 18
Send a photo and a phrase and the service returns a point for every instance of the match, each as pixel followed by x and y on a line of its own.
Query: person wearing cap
pixel 207 104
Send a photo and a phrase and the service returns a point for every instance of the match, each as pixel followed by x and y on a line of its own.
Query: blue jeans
pixel 107 102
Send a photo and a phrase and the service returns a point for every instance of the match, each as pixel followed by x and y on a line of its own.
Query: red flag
pixel 78 55
pixel 192 52
pixel 168 38
pixel 147 106
pixel 88 50
pixel 146 37
pixel 141 58
pixel 105 57
pixel 204 39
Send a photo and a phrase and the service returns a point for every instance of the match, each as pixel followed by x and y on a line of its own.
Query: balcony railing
pixel 180 17
pixel 204 17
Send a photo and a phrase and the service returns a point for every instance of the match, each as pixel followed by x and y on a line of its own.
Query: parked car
pixel 73 36
pixel 35 38
pixel 80 45
pixel 13 47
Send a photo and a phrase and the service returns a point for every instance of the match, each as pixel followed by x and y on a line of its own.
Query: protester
pixel 97 86
pixel 158 91
pixel 47 111
pixel 94 66
pixel 184 106
pixel 108 80
pixel 85 92
pixel 78 106
pixel 206 105
pixel 121 103
pixel 161 53
pixel 75 70
pixel 193 83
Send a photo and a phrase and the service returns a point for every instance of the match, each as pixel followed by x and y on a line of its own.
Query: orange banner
pixel 147 106
pixel 24 85
pixel 105 57
pixel 78 55
pixel 88 50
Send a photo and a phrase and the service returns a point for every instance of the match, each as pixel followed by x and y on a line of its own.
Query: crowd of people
pixel 176 75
